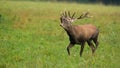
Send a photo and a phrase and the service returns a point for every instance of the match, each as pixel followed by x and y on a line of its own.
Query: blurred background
pixel 31 36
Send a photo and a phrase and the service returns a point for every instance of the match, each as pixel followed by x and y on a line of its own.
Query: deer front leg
pixel 91 46
pixel 82 47
pixel 69 46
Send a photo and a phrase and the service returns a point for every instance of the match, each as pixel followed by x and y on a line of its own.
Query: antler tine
pixel 73 14
pixel 80 16
pixel 86 14
pixel 61 14
pixel 69 14
pixel 83 15
pixel 65 14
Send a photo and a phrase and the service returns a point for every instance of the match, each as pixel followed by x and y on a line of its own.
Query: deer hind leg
pixel 96 41
pixel 82 47
pixel 68 48
pixel 91 46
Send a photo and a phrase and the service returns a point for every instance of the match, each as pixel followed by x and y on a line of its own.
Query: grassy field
pixel 30 36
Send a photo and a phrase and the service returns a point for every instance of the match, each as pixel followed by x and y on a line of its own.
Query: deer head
pixel 66 18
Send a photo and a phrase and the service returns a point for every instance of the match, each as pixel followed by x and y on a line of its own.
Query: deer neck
pixel 71 33
pixel 70 30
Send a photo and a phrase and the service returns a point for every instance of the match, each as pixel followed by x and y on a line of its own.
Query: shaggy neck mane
pixel 70 31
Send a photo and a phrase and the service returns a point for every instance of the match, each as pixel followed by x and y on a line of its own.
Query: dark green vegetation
pixel 106 2
pixel 30 36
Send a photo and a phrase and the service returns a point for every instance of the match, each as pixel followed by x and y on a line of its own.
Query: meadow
pixel 30 35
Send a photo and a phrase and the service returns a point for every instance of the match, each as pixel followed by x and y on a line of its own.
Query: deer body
pixel 79 34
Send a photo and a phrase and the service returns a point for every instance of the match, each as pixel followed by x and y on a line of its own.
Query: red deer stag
pixel 79 34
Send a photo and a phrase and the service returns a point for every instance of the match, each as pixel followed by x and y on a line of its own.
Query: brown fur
pixel 79 34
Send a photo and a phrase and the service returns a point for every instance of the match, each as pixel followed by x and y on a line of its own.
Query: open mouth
pixel 61 25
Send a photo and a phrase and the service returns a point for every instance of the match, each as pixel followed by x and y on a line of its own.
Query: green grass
pixel 30 36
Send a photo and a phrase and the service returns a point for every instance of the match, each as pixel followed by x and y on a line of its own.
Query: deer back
pixel 85 31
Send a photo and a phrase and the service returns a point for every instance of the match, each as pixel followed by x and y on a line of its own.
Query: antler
pixel 65 14
pixel 84 15
pixel 71 17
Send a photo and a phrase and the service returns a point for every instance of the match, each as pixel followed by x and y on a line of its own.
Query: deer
pixel 79 34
